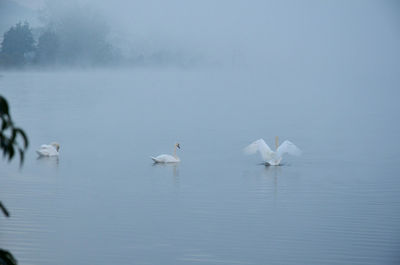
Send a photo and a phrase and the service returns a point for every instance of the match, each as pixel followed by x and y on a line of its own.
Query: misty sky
pixel 324 74
pixel 275 34
pixel 305 33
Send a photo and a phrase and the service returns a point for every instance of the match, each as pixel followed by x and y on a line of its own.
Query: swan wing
pixel 47 150
pixel 42 152
pixel 261 146
pixel 165 159
pixel 289 148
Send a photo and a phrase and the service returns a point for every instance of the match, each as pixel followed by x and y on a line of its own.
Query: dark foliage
pixel 9 143
pixel 4 210
pixel 83 36
pixel 11 136
pixel 6 258
pixel 47 48
pixel 72 36
pixel 17 46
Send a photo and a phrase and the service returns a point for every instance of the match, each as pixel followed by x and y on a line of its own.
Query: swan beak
pixel 178 146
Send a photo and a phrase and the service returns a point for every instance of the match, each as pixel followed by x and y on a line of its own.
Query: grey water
pixel 104 202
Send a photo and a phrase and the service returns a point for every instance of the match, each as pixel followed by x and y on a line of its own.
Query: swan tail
pixel 42 152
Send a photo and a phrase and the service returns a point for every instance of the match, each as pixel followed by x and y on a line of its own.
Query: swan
pixel 270 157
pixel 168 158
pixel 48 149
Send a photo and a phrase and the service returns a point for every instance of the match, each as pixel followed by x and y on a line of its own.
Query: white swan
pixel 168 158
pixel 48 149
pixel 270 157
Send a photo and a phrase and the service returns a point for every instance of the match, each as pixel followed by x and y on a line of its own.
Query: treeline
pixel 70 40
pixel 72 35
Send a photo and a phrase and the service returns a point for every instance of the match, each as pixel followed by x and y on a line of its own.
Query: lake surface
pixel 104 202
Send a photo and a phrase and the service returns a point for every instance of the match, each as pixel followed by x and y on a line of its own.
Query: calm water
pixel 103 202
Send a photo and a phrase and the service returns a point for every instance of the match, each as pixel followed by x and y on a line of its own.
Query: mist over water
pixel 322 75
pixel 286 37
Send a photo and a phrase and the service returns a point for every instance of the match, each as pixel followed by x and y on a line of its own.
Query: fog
pixel 273 34
pixel 115 82
pixel 276 36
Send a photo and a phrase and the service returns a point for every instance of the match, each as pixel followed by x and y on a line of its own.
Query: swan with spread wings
pixel 272 158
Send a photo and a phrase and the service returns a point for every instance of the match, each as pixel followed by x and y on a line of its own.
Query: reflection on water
pixel 329 206
pixel 273 172
pixel 266 179
pixel 48 161
pixel 174 169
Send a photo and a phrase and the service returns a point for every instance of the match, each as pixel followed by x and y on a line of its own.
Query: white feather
pixel 261 146
pixel 270 157
pixel 47 150
pixel 167 158
pixel 288 147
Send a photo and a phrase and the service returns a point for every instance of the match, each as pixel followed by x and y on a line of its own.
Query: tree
pixel 17 45
pixel 6 258
pixel 82 34
pixel 47 48
pixel 9 134
pixel 8 143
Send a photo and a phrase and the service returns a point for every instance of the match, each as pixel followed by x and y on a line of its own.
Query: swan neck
pixel 276 142
pixel 175 151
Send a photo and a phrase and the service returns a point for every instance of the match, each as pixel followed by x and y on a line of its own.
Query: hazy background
pixel 131 78
pixel 310 37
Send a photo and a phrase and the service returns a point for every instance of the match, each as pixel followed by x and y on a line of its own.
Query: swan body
pixel 48 149
pixel 167 158
pixel 272 158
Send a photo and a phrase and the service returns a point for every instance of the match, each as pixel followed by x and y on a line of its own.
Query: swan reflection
pixel 273 173
pixel 265 179
pixel 49 161
pixel 173 166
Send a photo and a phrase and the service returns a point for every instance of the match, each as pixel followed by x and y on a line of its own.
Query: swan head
pixel 55 145
pixel 177 145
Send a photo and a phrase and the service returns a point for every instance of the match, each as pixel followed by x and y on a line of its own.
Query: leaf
pixel 4 123
pixel 4 210
pixel 7 258
pixel 13 135
pixel 3 106
pixel 11 152
pixel 21 156
pixel 22 133
pixel 1 139
pixel 9 144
